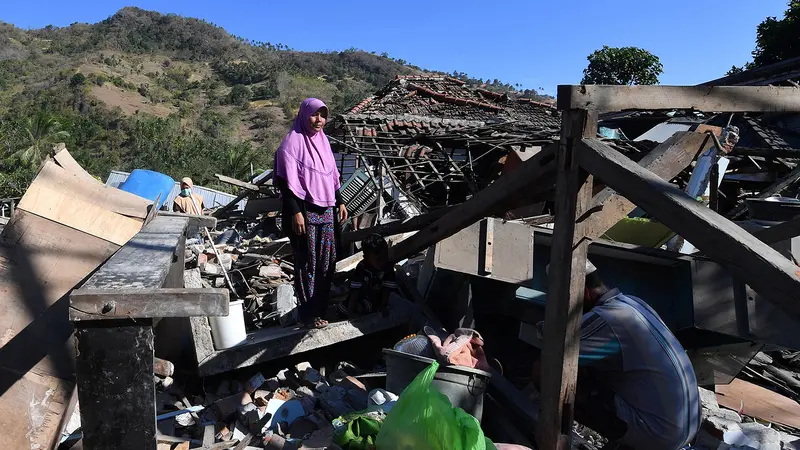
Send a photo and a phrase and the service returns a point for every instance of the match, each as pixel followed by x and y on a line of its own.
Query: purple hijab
pixel 305 159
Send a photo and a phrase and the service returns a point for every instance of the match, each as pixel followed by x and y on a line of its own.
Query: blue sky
pixel 538 43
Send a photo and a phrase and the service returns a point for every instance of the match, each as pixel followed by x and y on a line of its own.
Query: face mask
pixel 186 192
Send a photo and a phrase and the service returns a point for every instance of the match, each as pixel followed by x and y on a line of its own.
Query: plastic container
pixel 148 184
pixel 464 386
pixel 228 331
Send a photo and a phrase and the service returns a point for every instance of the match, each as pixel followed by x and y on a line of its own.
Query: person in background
pixel 636 385
pixel 183 202
pixel 308 180
pixel 373 280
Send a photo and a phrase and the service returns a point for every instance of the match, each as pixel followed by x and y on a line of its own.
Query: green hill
pixel 178 95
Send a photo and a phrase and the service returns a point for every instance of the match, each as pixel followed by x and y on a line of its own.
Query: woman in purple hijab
pixel 306 174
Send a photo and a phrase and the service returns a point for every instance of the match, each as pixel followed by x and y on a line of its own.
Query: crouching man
pixel 635 385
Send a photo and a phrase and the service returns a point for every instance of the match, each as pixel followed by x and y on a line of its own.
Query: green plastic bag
pixel 424 419
pixel 359 434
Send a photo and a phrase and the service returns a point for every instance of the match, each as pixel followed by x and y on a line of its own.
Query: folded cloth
pixel 462 348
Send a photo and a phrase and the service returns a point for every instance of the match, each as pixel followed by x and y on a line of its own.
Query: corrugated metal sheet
pixel 211 197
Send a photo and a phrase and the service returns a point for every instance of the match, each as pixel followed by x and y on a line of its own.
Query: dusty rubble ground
pixel 296 407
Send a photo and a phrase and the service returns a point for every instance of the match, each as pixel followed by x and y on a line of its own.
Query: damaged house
pixel 462 181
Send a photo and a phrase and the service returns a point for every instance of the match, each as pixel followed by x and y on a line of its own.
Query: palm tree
pixel 40 133
pixel 237 161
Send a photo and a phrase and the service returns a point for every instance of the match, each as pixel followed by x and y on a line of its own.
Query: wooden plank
pixel 477 207
pixel 780 232
pixel 465 251
pixel 112 390
pixel 401 226
pixel 759 402
pixel 58 203
pixel 774 188
pixel 565 282
pixel 195 220
pixel 763 268
pixel 244 442
pixel 667 160
pixel 702 98
pixel 145 261
pixel 92 189
pixel 275 342
pixel 66 161
pixel 240 184
pixel 208 436
pixel 487 243
pixel 96 304
pixel 40 262
pixel 232 204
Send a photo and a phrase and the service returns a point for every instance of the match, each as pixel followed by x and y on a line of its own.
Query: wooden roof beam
pixel 763 268
pixel 702 98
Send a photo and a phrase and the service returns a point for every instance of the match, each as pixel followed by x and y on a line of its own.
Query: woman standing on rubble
pixel 306 174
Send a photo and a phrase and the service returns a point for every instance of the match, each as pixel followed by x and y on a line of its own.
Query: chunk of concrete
pixel 225 260
pixel 210 269
pixel 789 442
pixel 283 376
pixel 270 271
pixel 285 304
pixel 192 278
pixel 766 438
pixel 302 367
pixel 711 407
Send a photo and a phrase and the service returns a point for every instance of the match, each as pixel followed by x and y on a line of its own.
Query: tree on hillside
pixel 777 40
pixel 622 66
pixel 39 133
pixel 240 95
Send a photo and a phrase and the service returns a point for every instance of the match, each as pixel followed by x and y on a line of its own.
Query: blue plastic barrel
pixel 148 184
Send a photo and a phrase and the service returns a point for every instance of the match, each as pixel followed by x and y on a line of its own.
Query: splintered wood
pixel 756 401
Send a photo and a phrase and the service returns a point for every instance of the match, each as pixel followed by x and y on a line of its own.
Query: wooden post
pixel 565 286
pixel 114 368
pixel 112 313
pixel 381 201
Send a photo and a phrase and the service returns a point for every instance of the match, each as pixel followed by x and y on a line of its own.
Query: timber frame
pixel 581 156
pixel 578 158
pixel 114 312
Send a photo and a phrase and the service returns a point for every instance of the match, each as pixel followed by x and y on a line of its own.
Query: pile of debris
pixel 300 407
pixel 257 270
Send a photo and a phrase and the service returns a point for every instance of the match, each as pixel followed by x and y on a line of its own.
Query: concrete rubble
pixel 297 408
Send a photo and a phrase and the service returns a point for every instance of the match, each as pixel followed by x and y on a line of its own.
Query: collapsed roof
pixel 439 140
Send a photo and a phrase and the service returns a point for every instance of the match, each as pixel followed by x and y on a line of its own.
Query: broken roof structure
pixel 440 141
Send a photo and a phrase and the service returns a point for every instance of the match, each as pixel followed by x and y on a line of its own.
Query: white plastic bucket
pixel 228 331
